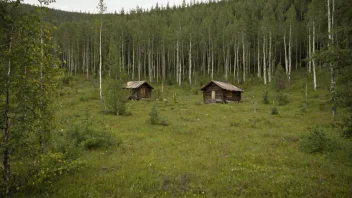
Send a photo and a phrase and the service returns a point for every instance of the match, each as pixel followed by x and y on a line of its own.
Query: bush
pixel 116 98
pixel 279 79
pixel 49 167
pixel 84 135
pixel 154 118
pixel 266 97
pixel 347 127
pixel 281 98
pixel 66 80
pixel 316 141
pixel 274 111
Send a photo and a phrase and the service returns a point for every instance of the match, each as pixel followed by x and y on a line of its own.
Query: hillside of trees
pixel 228 40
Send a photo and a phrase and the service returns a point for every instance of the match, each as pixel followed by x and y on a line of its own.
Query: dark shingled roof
pixel 223 85
pixel 136 84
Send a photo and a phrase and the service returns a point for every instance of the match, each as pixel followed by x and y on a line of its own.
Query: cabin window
pixel 213 95
pixel 229 94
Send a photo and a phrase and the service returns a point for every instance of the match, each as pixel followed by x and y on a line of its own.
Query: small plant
pixel 84 135
pixel 174 97
pixel 66 80
pixel 274 110
pixel 266 97
pixel 316 141
pixel 158 94
pixel 195 91
pixel 281 98
pixel 235 124
pixel 347 127
pixel 116 99
pixel 154 118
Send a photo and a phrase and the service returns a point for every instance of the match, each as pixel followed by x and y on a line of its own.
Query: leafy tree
pixel 27 90
pixel 279 81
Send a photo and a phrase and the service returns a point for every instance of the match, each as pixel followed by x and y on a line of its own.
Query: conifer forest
pixel 68 126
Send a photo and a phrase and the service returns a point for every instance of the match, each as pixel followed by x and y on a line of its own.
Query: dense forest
pixel 183 45
pixel 226 39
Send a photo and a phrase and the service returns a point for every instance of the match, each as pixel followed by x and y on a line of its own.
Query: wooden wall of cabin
pixel 219 94
pixel 144 91
pixel 235 96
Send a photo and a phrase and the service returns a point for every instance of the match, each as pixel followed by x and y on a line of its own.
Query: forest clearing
pixel 198 99
pixel 235 149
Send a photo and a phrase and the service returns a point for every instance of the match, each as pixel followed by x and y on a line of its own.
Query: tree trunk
pixel 270 54
pixel 100 62
pixel 149 62
pixel 289 56
pixel 313 44
pixel 244 59
pixel 190 60
pixel 264 59
pixel 258 59
pixel 212 61
pixel 133 60
pixel 6 149
pixel 285 49
pixel 332 71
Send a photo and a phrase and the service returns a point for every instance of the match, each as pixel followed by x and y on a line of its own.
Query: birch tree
pixel 101 9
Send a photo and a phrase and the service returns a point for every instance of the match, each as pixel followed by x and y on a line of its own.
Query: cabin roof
pixel 223 85
pixel 136 84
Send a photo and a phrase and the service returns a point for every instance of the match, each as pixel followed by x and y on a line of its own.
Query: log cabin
pixel 220 92
pixel 139 90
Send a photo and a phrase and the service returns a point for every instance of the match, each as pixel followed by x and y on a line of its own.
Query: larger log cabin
pixel 221 92
pixel 139 90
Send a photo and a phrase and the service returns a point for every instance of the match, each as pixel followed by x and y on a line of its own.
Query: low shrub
pixel 281 98
pixel 154 118
pixel 84 135
pixel 274 110
pixel 316 141
pixel 347 127
pixel 266 98
pixel 116 98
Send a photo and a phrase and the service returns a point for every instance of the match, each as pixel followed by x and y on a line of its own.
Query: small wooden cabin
pixel 139 90
pixel 221 92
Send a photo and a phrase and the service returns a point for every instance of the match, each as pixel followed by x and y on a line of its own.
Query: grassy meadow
pixel 215 150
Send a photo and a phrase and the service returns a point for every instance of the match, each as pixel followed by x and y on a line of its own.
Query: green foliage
pixel 347 127
pixel 274 110
pixel 85 135
pixel 116 98
pixel 49 168
pixel 155 119
pixel 281 98
pixel 266 97
pixel 66 80
pixel 316 141
pixel 279 79
pixel 29 77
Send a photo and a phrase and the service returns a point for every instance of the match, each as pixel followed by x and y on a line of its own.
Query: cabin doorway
pixel 213 95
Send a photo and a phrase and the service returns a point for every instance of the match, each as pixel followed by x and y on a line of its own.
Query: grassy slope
pixel 207 150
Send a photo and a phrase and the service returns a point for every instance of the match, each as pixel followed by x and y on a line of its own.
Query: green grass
pixel 224 150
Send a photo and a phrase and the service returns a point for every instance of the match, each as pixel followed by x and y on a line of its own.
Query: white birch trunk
pixel 258 59
pixel 290 56
pixel 270 54
pixel 285 49
pixel 244 59
pixel 190 60
pixel 309 52
pixel 264 59
pixel 133 61
pixel 100 62
pixel 313 44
